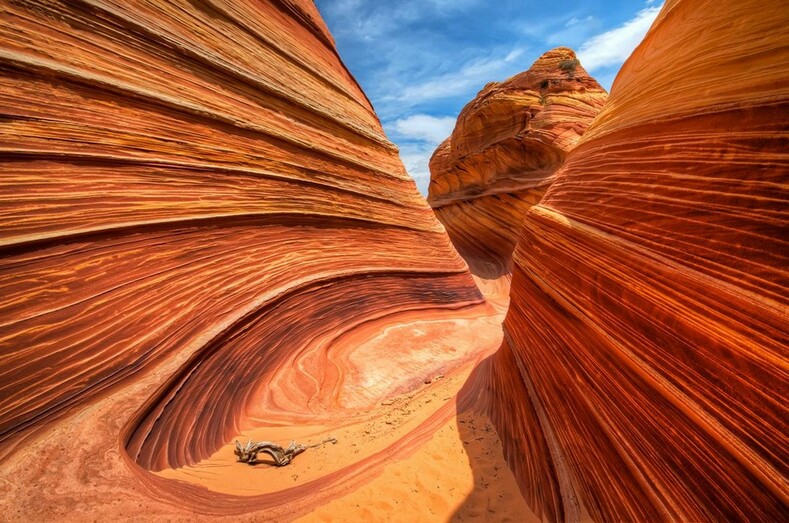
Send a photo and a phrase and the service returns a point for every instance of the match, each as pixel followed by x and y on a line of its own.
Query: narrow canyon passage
pixel 206 237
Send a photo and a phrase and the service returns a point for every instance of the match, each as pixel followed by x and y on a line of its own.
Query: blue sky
pixel 421 61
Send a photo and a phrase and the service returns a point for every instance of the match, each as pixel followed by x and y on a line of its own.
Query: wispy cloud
pixel 575 21
pixel 421 61
pixel 416 157
pixel 453 5
pixel 614 46
pixel 474 74
pixel 573 32
pixel 425 127
pixel 418 136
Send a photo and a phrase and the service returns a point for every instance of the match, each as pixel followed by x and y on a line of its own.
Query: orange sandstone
pixel 204 231
pixel 503 153
pixel 206 236
pixel 644 372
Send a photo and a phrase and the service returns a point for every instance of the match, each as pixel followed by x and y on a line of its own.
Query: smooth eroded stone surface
pixel 198 202
pixel 644 373
pixel 503 153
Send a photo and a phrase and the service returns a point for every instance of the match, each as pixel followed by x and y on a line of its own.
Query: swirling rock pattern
pixel 503 153
pixel 199 201
pixel 648 320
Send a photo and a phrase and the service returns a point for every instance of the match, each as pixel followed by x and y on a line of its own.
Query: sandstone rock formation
pixel 503 154
pixel 203 224
pixel 207 237
pixel 644 376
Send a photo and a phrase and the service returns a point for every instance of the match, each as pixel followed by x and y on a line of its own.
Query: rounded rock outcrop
pixel 504 151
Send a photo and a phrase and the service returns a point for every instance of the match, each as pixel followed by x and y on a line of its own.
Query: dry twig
pixel 282 456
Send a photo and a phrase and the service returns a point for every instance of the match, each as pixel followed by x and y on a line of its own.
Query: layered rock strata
pixel 199 204
pixel 644 373
pixel 503 153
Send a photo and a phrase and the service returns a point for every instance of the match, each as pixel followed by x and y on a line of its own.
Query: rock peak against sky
pixel 420 61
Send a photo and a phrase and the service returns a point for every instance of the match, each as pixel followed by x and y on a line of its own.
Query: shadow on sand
pixel 496 496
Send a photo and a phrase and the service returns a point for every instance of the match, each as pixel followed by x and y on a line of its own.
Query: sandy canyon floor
pixel 412 444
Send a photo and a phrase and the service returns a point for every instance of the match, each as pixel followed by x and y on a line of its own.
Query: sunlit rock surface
pixel 503 153
pixel 644 374
pixel 206 237
pixel 202 225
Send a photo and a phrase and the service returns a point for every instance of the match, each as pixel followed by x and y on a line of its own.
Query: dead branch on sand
pixel 282 456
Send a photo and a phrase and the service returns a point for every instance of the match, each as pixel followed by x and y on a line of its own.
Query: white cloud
pixel 513 55
pixel 575 31
pixel 418 63
pixel 575 21
pixel 418 136
pixel 363 22
pixel 416 158
pixel 425 127
pixel 473 74
pixel 452 5
pixel 614 46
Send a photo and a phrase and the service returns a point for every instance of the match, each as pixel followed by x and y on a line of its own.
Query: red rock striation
pixel 504 152
pixel 198 201
pixel 644 373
